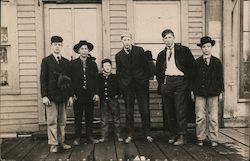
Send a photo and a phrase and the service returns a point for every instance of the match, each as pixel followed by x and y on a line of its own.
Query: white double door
pixel 74 22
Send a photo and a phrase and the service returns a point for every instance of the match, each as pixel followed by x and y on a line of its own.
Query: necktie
pixel 206 60
pixel 170 53
pixel 58 59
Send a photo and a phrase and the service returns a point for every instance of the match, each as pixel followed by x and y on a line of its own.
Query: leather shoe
pixel 92 140
pixel 180 141
pixel 54 149
pixel 128 140
pixel 76 141
pixel 149 139
pixel 213 144
pixel 65 146
pixel 200 143
pixel 172 140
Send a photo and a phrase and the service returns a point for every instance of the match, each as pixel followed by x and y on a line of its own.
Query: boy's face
pixel 168 40
pixel 106 67
pixel 127 42
pixel 83 51
pixel 206 48
pixel 56 47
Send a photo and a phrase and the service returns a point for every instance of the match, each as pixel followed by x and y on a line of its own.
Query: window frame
pixel 240 99
pixel 12 51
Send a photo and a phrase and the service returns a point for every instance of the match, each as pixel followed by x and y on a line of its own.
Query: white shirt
pixel 57 56
pixel 171 68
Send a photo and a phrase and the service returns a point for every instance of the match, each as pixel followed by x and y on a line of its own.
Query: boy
pixel 108 92
pixel 84 75
pixel 55 91
pixel 207 85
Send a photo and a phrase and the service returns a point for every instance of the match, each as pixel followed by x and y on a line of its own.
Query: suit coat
pixel 132 68
pixel 50 71
pixel 183 59
pixel 207 80
pixel 77 77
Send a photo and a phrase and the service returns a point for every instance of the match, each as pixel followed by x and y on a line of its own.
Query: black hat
pixel 106 61
pixel 81 43
pixel 56 39
pixel 148 55
pixel 206 39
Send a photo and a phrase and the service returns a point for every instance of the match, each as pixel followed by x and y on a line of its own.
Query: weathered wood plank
pixel 117 7
pixel 9 116
pixel 243 139
pixel 118 14
pixel 118 26
pixel 105 151
pixel 118 20
pixel 28 59
pixel 195 29
pixel 126 151
pixel 195 8
pixel 195 24
pixel 172 152
pixel 28 79
pixel 26 33
pixel 60 155
pixel 26 14
pixel 83 151
pixel 195 34
pixel 195 19
pixel 194 2
pixel 19 121
pixel 194 14
pixel 243 130
pixel 21 150
pixel 24 72
pixel 28 84
pixel 18 103
pixel 9 144
pixel 26 2
pixel 39 152
pixel 117 2
pixel 25 8
pixel 237 151
pixel 25 20
pixel 26 27
pixel 17 98
pixel 23 39
pixel 28 65
pixel 19 109
pixel 149 150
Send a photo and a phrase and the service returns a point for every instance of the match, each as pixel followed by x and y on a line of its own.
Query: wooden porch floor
pixel 233 146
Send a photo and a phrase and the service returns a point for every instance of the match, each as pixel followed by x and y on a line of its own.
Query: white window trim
pixel 13 61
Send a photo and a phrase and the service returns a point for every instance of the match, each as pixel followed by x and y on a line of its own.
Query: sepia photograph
pixel 124 80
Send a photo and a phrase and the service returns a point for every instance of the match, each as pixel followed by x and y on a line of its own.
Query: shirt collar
pixel 126 50
pixel 171 47
pixel 207 56
pixel 57 55
pixel 82 59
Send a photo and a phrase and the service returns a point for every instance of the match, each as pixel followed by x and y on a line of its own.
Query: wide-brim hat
pixel 206 39
pixel 81 43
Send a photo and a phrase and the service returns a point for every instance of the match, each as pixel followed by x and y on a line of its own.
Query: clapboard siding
pixel 19 113
pixel 195 25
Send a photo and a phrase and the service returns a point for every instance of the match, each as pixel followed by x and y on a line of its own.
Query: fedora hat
pixel 81 43
pixel 206 39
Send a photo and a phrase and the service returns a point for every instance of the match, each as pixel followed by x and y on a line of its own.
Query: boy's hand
pixel 70 101
pixel 96 98
pixel 46 101
pixel 221 97
pixel 192 96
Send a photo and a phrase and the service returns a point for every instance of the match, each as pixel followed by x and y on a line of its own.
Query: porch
pixel 233 146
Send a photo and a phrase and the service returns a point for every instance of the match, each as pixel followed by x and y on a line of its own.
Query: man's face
pixel 83 51
pixel 127 42
pixel 56 47
pixel 206 48
pixel 168 40
pixel 106 67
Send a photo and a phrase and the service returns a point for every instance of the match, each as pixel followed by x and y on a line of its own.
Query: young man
pixel 109 92
pixel 207 85
pixel 84 75
pixel 55 91
pixel 173 69
pixel 132 71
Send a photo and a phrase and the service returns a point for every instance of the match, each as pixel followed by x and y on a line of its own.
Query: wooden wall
pixel 19 113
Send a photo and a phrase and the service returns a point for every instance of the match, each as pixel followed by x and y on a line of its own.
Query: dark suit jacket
pixel 183 59
pixel 207 80
pixel 77 78
pixel 50 71
pixel 135 71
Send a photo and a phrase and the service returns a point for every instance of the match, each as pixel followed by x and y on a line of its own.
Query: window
pixel 9 79
pixel 245 51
